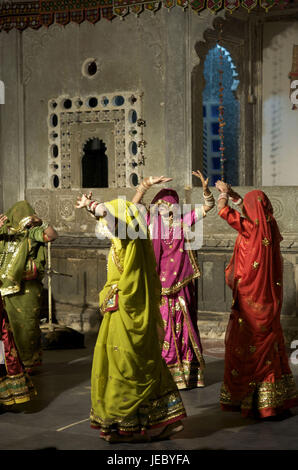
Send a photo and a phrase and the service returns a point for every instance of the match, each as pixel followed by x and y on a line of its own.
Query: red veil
pixel 255 351
pixel 262 277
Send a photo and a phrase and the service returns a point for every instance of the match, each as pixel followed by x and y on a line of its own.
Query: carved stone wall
pixel 113 118
pixel 78 252
pixel 159 56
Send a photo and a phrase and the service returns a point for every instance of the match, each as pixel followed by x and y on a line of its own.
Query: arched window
pixel 95 165
pixel 211 139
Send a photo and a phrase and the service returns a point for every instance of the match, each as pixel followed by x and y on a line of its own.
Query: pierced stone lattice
pixel 126 132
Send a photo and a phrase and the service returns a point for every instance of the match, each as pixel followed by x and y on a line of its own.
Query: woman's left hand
pixel 199 175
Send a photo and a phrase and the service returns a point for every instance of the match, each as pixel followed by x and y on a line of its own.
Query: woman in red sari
pixel 257 378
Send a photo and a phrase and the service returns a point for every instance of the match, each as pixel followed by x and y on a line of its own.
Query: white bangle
pixel 223 196
pixel 210 203
pixel 210 196
pixel 238 202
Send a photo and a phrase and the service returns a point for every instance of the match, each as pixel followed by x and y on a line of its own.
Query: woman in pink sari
pixel 177 269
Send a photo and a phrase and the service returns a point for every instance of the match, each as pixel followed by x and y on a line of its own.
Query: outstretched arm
pixel 146 184
pixel 49 234
pixel 208 196
pixel 95 208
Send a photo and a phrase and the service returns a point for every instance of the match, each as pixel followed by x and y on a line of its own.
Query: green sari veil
pixel 15 245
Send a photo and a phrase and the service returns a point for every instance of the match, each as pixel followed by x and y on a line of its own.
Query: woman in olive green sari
pixel 22 265
pixel 131 387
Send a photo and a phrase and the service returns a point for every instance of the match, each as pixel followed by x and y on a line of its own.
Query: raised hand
pixel 222 186
pixel 3 219
pixel 83 201
pixel 199 175
pixel 159 179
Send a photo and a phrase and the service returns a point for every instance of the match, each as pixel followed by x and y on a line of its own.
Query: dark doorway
pixel 95 165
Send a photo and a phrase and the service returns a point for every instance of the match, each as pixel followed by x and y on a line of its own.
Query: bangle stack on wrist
pixel 145 185
pixel 92 206
pixel 209 200
pixel 237 202
pixel 223 196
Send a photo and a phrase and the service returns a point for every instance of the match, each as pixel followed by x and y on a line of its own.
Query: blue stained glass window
pixel 214 111
pixel 214 128
pixel 215 145
pixel 118 100
pixel 211 98
pixel 204 111
pixel 215 178
pixel 216 163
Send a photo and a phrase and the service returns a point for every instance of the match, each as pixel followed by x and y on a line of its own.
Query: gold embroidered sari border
pixel 176 287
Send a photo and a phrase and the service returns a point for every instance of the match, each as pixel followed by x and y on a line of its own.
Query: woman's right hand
pixel 3 219
pixel 159 179
pixel 83 201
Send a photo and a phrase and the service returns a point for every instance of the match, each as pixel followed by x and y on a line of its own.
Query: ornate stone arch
pixel 235 34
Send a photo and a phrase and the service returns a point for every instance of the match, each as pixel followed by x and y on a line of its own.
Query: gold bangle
pixel 141 190
pixel 145 183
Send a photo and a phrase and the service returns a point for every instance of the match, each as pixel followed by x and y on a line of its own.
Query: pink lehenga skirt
pixel 182 349
pixel 15 385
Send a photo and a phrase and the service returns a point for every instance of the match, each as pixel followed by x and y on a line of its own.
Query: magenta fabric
pixel 177 271
pixel 173 262
pixel 183 336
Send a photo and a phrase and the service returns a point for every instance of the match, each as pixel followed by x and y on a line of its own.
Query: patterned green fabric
pixel 22 265
pixel 16 389
pixel 23 310
pixel 131 387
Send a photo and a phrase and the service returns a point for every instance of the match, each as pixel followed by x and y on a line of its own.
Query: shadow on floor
pixel 62 370
pixel 214 372
pixel 210 420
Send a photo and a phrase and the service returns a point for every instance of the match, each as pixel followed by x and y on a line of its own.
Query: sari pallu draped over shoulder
pixel 256 363
pixel 16 244
pixel 131 388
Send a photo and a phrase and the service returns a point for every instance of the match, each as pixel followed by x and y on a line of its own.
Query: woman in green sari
pixel 22 265
pixel 132 389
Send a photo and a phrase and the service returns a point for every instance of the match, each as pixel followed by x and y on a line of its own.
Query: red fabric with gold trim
pixel 255 350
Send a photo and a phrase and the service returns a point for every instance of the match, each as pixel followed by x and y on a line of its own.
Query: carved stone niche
pixel 237 35
pixel 80 134
pixel 113 119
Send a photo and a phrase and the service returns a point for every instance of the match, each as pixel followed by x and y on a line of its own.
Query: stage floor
pixel 58 417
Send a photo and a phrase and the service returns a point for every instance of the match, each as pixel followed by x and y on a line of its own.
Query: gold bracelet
pixel 145 183
pixel 140 189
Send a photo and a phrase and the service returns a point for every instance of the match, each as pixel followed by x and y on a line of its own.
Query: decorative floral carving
pixel 41 208
pixel 67 209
